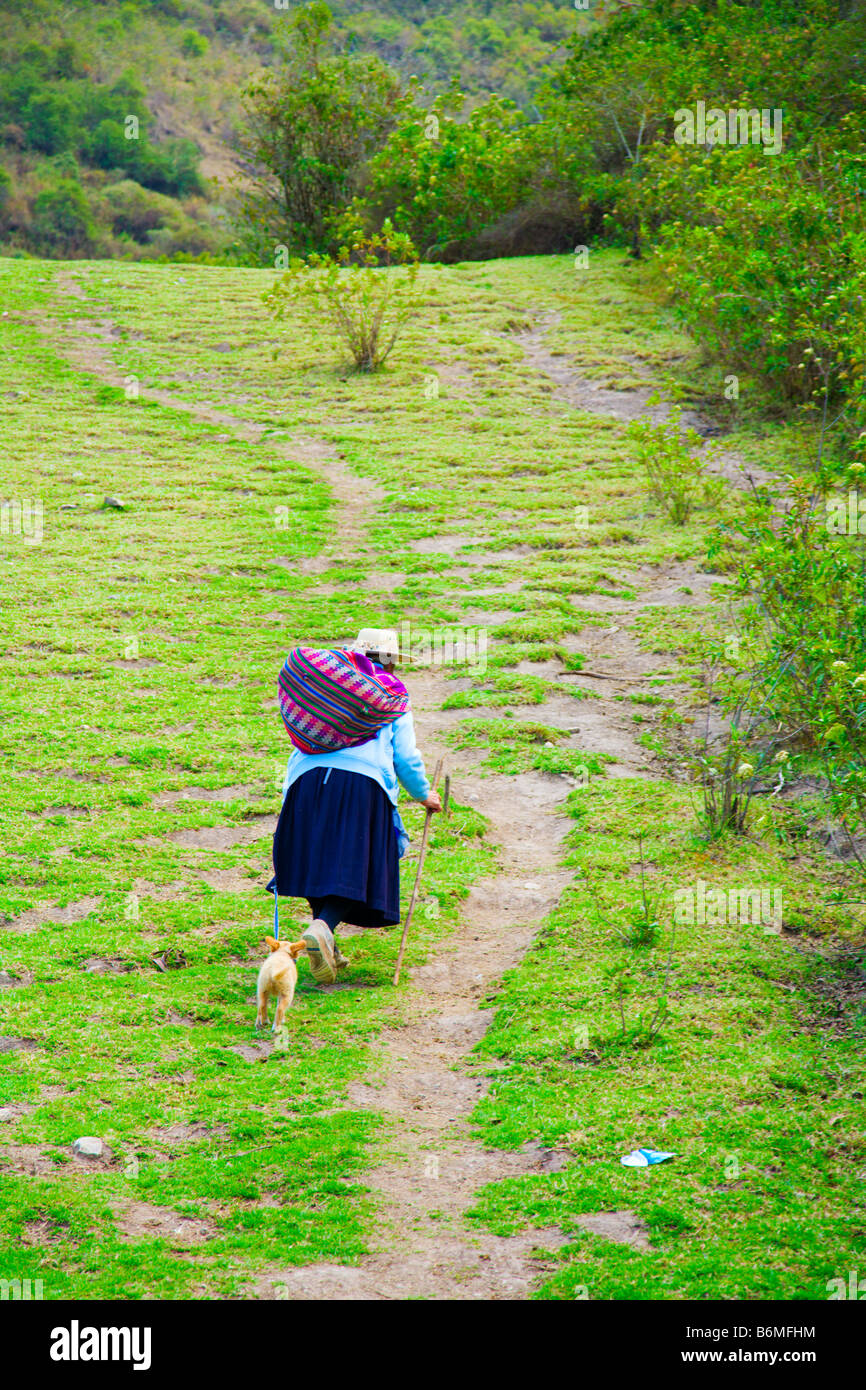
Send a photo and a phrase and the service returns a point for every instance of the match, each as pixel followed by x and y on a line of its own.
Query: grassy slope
pixel 759 1101
pixel 736 1074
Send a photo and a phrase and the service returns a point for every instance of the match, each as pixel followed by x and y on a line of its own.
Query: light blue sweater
pixel 390 758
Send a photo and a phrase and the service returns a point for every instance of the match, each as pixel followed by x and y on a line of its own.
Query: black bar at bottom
pixel 57 1340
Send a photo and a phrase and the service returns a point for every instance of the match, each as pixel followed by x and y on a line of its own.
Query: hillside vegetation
pixel 329 137
pixel 73 182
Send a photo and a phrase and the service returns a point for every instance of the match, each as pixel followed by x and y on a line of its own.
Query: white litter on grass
pixel 88 1147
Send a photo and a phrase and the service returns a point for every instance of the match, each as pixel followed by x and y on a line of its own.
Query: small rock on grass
pixel 113 504
pixel 5 1114
pixel 88 1147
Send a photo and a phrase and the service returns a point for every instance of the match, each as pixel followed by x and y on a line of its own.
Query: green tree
pixel 49 120
pixel 311 125
pixel 442 177
pixel 109 147
pixel 193 44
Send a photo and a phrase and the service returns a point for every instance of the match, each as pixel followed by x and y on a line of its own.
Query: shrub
pixel 729 766
pixel 62 222
pixel 442 179
pixel 767 262
pixel 135 211
pixel 170 167
pixel 806 581
pixel 181 236
pixel 366 303
pixel 109 147
pixel 49 121
pixel 157 223
pixel 193 44
pixel 673 465
pixel 644 924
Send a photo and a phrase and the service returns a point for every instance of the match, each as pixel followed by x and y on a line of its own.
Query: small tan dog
pixel 278 976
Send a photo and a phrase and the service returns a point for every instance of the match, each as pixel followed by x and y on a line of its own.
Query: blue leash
pixel 276 915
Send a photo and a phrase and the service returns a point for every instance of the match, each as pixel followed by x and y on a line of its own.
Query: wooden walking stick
pixel 422 852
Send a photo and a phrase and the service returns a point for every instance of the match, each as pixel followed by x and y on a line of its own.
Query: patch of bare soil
pixel 11 1044
pixel 164 799
pixel 44 912
pixel 444 545
pixel 448 1267
pixel 159 893
pixel 221 836
pixel 43 1232
pixel 622 1226
pixel 35 1160
pixel 15 979
pixel 231 880
pixel 181 1133
pixel 254 1052
pixel 107 965
pixel 140 1221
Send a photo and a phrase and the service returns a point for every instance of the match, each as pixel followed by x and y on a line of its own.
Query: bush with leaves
pixel 645 919
pixel 51 98
pixel 766 259
pixel 62 220
pixel 441 178
pixel 366 293
pixel 765 255
pixel 156 224
pixel 807 582
pixel 674 462
pixel 731 766
pixel 193 44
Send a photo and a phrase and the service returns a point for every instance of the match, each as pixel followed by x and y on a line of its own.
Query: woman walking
pixel 339 837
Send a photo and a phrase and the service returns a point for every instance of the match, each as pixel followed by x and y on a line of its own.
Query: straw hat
pixel 381 641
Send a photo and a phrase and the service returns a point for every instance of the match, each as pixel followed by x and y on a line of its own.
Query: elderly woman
pixel 339 838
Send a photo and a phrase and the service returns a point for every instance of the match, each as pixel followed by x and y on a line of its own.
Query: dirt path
pixel 583 393
pixel 89 347
pixel 427 1084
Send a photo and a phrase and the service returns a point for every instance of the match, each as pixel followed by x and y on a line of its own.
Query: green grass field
pixel 141 650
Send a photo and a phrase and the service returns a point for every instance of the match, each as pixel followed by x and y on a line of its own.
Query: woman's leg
pixel 327 910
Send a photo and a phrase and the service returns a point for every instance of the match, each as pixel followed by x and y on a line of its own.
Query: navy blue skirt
pixel 335 838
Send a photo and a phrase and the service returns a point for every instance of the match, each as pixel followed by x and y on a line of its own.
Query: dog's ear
pixel 297 948
pixel 272 942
